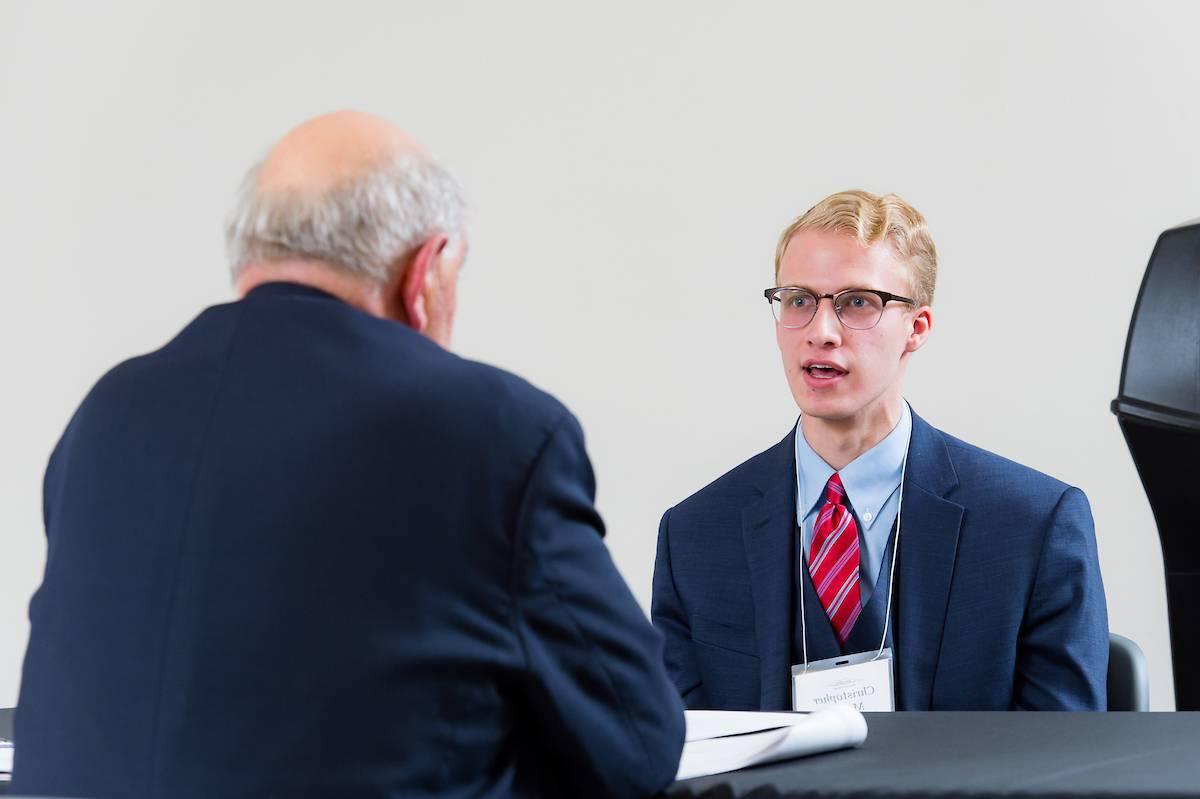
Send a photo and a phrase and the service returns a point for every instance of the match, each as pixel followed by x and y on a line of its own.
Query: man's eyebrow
pixel 814 291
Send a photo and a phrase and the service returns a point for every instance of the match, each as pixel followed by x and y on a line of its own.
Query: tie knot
pixel 834 492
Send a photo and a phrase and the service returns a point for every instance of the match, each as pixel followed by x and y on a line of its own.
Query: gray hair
pixel 364 225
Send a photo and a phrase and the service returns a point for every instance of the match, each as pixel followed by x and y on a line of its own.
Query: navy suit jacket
pixel 301 551
pixel 998 604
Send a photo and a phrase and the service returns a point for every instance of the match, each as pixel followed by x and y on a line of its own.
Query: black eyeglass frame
pixel 884 296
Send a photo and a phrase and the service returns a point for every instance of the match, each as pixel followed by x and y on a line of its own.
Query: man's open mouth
pixel 820 370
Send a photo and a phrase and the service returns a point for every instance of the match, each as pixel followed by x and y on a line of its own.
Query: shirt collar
pixel 869 480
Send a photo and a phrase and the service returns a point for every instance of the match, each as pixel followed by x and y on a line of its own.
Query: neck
pixel 355 291
pixel 840 441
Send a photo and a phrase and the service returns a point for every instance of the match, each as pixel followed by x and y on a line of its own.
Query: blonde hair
pixel 871 218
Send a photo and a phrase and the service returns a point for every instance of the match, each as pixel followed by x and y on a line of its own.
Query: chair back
pixel 1128 682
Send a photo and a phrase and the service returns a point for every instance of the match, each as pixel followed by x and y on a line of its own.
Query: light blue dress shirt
pixel 872 483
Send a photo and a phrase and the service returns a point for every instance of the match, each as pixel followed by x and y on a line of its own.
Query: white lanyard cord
pixel 803 621
pixel 887 616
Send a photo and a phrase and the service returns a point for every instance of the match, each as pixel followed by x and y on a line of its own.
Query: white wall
pixel 630 165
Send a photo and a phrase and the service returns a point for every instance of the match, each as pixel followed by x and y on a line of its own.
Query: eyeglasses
pixel 858 309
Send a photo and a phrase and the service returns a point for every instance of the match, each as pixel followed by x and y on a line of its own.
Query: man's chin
pixel 826 411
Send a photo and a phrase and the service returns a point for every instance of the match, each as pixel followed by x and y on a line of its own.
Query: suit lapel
pixel 928 547
pixel 768 531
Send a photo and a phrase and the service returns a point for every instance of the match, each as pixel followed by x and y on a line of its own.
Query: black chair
pixel 1128 683
pixel 1158 410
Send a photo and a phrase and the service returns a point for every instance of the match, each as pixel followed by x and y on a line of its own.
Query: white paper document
pixel 718 740
pixel 6 759
pixel 703 724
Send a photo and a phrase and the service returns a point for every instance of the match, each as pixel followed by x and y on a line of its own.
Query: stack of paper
pixel 721 740
pixel 6 759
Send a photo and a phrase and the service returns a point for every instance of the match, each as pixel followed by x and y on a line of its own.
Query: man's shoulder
pixel 384 371
pixel 739 487
pixel 515 398
pixel 986 476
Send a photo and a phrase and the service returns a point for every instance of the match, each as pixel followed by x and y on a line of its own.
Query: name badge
pixel 864 682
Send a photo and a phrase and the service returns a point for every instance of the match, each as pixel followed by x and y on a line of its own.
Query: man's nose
pixel 825 327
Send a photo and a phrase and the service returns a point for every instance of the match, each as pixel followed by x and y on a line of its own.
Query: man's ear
pixel 922 324
pixel 414 281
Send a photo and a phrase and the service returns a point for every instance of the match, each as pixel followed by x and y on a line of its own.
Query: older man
pixel 869 557
pixel 304 550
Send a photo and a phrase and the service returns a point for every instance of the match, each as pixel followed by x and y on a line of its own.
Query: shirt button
pixel 868 516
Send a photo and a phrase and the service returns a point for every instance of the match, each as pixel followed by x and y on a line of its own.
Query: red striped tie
pixel 833 560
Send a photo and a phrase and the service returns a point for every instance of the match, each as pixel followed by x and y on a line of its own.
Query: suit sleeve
pixel 1062 659
pixel 667 611
pixel 51 480
pixel 597 686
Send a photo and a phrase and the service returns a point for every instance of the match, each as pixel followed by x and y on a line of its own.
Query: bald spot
pixel 331 149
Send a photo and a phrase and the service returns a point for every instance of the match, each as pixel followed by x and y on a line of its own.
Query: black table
pixel 987 754
pixel 976 755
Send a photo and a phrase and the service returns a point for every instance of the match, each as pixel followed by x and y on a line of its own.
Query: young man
pixel 995 597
